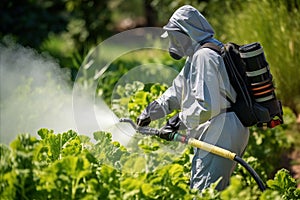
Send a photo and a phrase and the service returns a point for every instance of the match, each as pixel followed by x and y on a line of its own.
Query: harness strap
pixel 226 110
pixel 213 47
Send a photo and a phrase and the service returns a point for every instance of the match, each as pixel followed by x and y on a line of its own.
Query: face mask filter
pixel 175 54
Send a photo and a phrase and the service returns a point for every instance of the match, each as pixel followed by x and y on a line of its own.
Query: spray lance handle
pixel 220 152
pixel 190 141
pixel 201 145
pixel 146 130
pixel 204 146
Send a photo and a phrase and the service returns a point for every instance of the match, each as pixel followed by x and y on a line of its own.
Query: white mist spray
pixel 36 93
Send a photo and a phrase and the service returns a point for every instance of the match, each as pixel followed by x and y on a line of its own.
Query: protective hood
pixel 190 21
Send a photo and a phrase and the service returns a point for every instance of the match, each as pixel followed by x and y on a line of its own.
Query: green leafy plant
pixel 284 185
pixel 78 169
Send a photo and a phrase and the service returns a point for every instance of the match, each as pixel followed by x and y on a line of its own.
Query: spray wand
pixel 201 145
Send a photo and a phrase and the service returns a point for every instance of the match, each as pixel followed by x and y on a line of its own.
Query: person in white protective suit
pixel 199 93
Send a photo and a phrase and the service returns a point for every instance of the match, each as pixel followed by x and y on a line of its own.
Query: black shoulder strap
pixel 213 47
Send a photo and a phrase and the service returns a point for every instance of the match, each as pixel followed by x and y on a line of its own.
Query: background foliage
pixel 68 29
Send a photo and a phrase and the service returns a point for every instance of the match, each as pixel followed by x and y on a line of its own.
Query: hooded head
pixel 192 23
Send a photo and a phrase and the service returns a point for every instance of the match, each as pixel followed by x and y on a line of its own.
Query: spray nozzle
pixel 141 129
pixel 145 130
pixel 130 122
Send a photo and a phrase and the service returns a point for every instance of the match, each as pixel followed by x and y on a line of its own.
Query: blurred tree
pixel 158 12
pixel 30 21
pixel 94 17
pixel 151 13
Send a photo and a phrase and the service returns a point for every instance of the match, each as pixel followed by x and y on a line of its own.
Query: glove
pixel 169 130
pixel 144 119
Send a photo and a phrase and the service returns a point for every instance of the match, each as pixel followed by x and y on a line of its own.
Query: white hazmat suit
pixel 199 92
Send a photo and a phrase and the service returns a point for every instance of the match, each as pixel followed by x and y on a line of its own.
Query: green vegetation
pixel 68 166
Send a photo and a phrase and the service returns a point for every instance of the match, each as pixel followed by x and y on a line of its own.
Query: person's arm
pixel 170 100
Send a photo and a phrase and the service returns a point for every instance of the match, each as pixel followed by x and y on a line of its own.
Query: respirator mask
pixel 180 45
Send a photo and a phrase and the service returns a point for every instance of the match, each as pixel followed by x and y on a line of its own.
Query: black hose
pixel 253 173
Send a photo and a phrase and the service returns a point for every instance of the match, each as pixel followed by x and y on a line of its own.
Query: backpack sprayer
pixel 261 84
pixel 201 145
pixel 250 76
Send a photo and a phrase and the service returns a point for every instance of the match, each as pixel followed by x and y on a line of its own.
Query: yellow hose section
pixel 211 148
